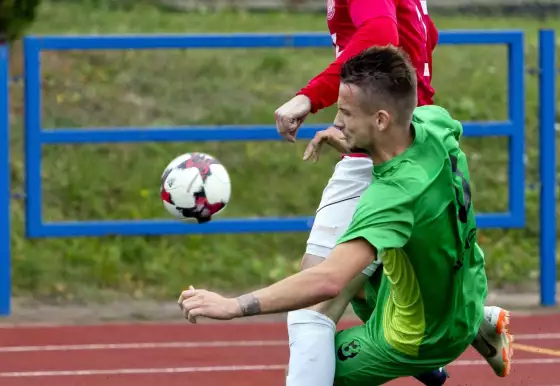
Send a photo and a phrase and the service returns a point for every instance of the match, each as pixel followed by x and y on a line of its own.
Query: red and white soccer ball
pixel 195 186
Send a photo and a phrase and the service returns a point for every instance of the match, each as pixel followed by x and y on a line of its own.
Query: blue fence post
pixel 33 115
pixel 5 267
pixel 516 114
pixel 547 165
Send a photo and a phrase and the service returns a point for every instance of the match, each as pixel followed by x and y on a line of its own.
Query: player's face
pixel 358 125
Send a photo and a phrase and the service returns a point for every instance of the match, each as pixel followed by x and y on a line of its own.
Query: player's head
pixel 377 94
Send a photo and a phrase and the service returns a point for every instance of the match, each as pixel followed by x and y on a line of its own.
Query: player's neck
pixel 395 142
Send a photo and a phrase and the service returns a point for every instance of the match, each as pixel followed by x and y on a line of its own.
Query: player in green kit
pixel 416 217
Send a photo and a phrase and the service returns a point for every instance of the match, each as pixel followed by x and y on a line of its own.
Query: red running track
pixel 239 354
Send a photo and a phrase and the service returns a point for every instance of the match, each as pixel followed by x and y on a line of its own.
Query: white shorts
pixel 351 177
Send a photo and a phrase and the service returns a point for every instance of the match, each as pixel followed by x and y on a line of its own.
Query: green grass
pixel 146 88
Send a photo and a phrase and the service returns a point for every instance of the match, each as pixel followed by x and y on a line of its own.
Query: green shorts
pixel 365 358
pixel 364 361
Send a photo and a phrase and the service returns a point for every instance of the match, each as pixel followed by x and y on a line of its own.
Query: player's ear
pixel 382 118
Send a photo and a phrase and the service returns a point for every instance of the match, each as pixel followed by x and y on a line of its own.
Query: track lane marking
pixel 537 350
pixel 203 344
pixel 214 369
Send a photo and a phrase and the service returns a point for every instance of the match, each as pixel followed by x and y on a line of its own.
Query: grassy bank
pixel 178 87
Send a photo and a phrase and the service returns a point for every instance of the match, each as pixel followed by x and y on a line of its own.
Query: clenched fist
pixel 290 116
pixel 199 302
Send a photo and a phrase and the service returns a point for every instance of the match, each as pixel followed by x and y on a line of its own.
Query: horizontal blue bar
pixel 240 40
pixel 222 133
pixel 241 225
pixel 180 41
pixel 171 227
pixel 480 37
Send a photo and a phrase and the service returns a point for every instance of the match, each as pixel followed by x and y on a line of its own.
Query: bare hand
pixel 290 116
pixel 208 304
pixel 331 136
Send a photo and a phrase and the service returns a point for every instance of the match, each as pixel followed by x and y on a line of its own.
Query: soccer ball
pixel 195 186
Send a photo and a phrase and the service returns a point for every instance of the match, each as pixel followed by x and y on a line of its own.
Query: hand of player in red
pixel 331 136
pixel 208 304
pixel 291 115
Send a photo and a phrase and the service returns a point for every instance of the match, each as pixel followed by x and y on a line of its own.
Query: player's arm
pixel 383 220
pixel 311 286
pixel 306 288
pixel 376 25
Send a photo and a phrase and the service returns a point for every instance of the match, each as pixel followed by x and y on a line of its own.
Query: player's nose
pixel 338 122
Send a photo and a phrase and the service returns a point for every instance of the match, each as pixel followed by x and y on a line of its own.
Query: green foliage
pixel 15 17
pixel 178 87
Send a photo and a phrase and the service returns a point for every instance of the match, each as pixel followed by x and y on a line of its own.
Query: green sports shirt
pixel 418 213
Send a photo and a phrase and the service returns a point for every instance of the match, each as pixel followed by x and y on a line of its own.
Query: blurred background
pixel 181 87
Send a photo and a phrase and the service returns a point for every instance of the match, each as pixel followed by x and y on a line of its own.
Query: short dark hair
pixel 386 77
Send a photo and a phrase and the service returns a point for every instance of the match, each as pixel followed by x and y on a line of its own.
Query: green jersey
pixel 418 214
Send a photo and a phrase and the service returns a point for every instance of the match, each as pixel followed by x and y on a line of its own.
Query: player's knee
pixel 324 308
pixel 301 316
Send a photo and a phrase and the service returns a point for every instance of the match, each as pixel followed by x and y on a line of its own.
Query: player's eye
pixel 344 112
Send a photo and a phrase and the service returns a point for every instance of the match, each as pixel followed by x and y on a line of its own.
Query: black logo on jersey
pixel 469 243
pixel 471 238
pixel 348 350
pixel 464 199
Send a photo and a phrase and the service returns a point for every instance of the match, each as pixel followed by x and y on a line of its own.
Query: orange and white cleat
pixel 494 342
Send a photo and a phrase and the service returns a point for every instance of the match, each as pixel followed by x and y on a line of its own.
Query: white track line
pixel 139 346
pixel 4 325
pixel 202 344
pixel 213 369
pixel 541 336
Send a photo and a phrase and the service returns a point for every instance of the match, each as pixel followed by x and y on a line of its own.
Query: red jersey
pixel 360 24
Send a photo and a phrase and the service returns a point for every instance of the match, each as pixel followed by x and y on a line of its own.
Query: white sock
pixel 312 351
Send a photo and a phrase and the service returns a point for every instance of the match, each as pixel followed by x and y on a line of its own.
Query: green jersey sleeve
pixel 438 118
pixel 384 217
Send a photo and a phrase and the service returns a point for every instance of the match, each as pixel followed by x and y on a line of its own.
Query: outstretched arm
pixel 314 285
pixel 306 288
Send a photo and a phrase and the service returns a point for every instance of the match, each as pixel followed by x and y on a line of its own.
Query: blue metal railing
pixel 36 136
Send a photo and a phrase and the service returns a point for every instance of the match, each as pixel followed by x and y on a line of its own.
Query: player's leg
pixel 494 341
pixel 311 331
pixel 311 335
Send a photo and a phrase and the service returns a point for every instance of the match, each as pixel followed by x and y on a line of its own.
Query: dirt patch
pixel 26 311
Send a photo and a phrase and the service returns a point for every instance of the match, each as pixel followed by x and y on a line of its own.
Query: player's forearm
pixel 299 291
pixel 323 89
